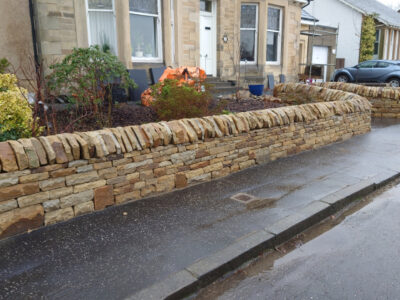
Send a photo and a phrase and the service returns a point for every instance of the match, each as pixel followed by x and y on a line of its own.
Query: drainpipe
pixel 308 3
pixel 34 38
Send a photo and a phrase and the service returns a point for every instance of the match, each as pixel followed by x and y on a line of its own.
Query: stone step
pixel 223 90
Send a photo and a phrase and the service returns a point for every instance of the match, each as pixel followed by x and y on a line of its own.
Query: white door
pixel 208 37
pixel 320 57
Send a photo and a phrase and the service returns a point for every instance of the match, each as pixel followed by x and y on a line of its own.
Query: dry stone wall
pixel 50 179
pixel 385 100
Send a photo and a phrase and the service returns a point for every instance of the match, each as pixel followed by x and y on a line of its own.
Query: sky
pixel 395 4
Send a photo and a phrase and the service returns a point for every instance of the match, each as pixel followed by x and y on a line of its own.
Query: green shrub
pixel 16 119
pixel 85 76
pixel 4 64
pixel 176 100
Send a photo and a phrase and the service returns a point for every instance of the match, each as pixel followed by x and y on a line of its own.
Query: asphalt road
pixel 357 259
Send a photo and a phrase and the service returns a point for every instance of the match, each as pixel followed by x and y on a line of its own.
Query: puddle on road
pixel 265 262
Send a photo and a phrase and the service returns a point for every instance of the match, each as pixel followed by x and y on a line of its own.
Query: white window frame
pixel 101 10
pixel 278 61
pixel 159 58
pixel 255 35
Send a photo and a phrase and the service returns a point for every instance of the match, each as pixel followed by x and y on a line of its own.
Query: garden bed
pixel 126 114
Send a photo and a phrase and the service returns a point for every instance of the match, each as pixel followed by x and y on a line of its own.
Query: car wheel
pixel 342 78
pixel 394 82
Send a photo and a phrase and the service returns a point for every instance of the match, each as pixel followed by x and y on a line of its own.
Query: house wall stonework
pixel 51 179
pixel 16 34
pixel 56 29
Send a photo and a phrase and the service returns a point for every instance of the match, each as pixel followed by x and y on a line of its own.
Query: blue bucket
pixel 256 89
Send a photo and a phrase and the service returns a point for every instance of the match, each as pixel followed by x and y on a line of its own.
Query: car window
pixel 382 64
pixel 367 64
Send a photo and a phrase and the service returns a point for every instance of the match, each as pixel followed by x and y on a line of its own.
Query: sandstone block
pixel 74 199
pixel 22 158
pixel 108 173
pixel 8 181
pixel 133 141
pixel 185 157
pixel 8 205
pixel 134 195
pixel 83 208
pixel 40 152
pixel 48 168
pixel 52 184
pixel 62 172
pixel 116 180
pixel 51 205
pixel 66 146
pixel 180 180
pixel 147 190
pixel 61 192
pixel 20 220
pixel 89 185
pixel 133 177
pixel 18 190
pixel 118 136
pixel 84 147
pixel 84 169
pixel 103 197
pixel 30 152
pixel 221 173
pixel 33 199
pixel 73 143
pixel 56 144
pixel 34 177
pixel 111 142
pixel 179 134
pixel 81 178
pixel 58 215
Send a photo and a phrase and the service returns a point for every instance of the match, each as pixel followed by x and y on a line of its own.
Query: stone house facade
pixel 151 33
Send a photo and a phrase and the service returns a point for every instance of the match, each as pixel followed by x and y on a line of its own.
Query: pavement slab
pixel 122 250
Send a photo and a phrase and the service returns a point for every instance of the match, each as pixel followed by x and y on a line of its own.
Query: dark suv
pixel 371 71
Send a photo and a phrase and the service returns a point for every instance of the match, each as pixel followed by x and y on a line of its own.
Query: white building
pixel 348 16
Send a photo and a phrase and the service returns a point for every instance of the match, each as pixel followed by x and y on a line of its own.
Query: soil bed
pixel 125 114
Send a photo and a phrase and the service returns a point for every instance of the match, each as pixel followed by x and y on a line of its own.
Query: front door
pixel 320 57
pixel 208 37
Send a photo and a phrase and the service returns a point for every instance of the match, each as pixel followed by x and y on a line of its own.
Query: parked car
pixel 371 71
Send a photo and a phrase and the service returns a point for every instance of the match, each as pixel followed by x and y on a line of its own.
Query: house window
pixel 206 5
pixel 274 35
pixel 101 24
pixel 248 32
pixel 145 30
pixel 376 44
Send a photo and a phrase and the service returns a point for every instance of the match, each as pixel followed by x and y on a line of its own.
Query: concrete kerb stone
pixel 208 269
pixel 174 286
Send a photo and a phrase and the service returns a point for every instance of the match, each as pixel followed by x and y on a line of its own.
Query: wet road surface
pixel 357 259
pixel 110 255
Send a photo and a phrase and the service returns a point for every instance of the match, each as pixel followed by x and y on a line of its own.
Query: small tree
pixel 86 76
pixel 367 38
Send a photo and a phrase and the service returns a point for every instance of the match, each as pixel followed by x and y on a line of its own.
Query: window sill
pixel 147 60
pixel 273 63
pixel 250 63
